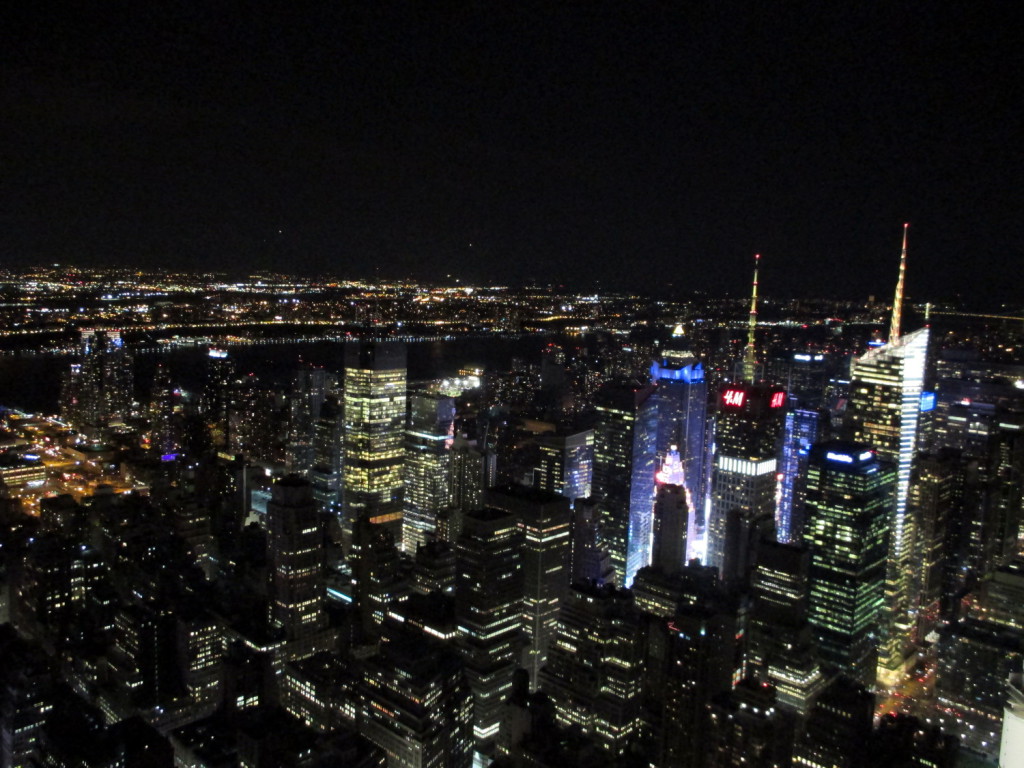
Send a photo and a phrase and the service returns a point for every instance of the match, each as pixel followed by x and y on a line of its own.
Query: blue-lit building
pixel 681 401
pixel 800 431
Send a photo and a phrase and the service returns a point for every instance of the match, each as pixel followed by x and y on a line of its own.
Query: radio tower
pixel 897 303
pixel 749 362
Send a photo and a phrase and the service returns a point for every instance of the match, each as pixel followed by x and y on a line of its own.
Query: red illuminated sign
pixel 777 400
pixel 734 397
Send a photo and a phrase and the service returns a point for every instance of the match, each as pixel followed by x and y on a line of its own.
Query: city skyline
pixel 385 385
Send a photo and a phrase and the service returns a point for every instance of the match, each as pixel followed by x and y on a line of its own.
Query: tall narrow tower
pixel 296 553
pixel 885 403
pixel 749 358
pixel 897 302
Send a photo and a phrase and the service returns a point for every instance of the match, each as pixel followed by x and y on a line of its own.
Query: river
pixel 32 383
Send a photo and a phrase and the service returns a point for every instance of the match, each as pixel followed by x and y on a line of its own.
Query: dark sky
pixel 638 144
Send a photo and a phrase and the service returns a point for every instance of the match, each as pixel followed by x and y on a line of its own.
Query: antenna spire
pixel 897 304
pixel 749 361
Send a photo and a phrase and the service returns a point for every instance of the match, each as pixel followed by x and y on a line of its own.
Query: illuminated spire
pixel 897 304
pixel 749 361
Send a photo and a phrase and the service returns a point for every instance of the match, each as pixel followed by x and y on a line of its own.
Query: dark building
pixel 489 609
pixel 595 666
pixel 543 519
pixel 297 559
pixel 416 706
pixel 434 568
pixel 902 741
pixel 703 660
pixel 837 732
pixel 745 728
pixel 976 658
pixel 780 640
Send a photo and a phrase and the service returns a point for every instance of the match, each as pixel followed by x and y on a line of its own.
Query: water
pixel 32 383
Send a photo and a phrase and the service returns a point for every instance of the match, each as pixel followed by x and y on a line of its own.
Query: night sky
pixel 638 144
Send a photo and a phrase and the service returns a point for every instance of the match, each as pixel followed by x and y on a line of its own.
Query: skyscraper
pixel 100 388
pixel 701 662
pixel 681 399
pixel 566 464
pixel 780 639
pixel 489 596
pixel 849 505
pixel 625 441
pixel 1011 746
pixel 416 706
pixel 543 518
pixel 373 438
pixel 298 589
pixel 885 402
pixel 744 479
pixel 427 470
pixel 801 430
pixel 310 388
pixel 326 474
pixel 671 515
pixel 216 398
pixel 746 728
pixel 595 664
pixel 744 469
pixel 838 729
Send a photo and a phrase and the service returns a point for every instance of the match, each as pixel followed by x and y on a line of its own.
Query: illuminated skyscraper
pixel 99 389
pixel 566 464
pixel 744 480
pixel 1011 747
pixel 373 438
pixel 427 470
pixel 885 402
pixel 744 468
pixel 164 433
pixel 625 441
pixel 681 400
pixel 800 432
pixel 849 506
